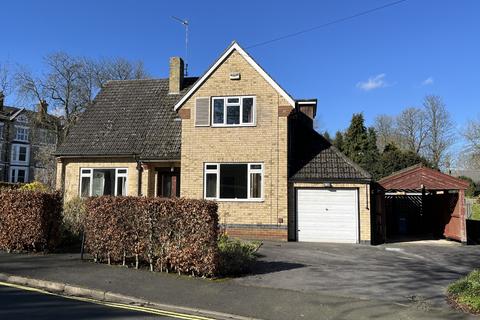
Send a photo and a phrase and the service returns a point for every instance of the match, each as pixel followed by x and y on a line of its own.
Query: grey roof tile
pixel 129 117
pixel 315 159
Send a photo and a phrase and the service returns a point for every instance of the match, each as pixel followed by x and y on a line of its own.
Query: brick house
pixel 28 140
pixel 232 135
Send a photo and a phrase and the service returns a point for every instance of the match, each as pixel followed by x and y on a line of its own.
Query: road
pixel 17 303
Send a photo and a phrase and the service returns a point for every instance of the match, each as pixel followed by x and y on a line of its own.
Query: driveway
pixel 406 273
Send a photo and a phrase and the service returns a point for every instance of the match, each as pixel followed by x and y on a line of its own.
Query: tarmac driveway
pixel 405 272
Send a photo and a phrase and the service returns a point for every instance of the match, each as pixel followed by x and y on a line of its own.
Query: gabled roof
pixel 414 177
pixel 235 47
pixel 315 159
pixel 127 118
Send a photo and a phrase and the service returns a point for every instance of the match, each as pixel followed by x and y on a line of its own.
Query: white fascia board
pixel 256 66
pixel 16 114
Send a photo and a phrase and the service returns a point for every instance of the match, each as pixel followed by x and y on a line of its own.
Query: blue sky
pixel 379 63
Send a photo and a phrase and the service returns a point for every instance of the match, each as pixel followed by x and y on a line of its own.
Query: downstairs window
pixel 233 181
pixel 102 182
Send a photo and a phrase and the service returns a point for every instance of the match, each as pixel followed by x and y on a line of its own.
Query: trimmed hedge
pixel 9 186
pixel 30 220
pixel 167 234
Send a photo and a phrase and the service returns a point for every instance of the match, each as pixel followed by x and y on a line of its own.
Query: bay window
pixel 20 154
pixel 100 182
pixel 18 174
pixel 233 111
pixel 233 181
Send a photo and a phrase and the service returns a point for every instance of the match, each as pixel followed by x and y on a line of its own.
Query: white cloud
pixel 427 81
pixel 373 83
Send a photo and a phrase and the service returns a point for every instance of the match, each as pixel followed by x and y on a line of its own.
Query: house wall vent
pixel 235 76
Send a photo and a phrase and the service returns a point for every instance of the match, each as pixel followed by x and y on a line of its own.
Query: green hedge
pixel 177 235
pixel 30 220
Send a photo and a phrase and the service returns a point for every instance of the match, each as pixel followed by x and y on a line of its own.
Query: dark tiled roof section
pixel 129 117
pixel 315 159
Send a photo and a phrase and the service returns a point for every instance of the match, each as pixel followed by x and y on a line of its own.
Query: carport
pixel 420 203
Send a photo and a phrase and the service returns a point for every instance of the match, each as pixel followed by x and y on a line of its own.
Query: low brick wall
pixel 257 232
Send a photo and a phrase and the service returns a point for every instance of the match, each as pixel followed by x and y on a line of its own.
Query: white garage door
pixel 327 215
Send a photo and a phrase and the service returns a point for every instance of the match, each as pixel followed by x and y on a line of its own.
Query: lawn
pixel 476 211
pixel 464 294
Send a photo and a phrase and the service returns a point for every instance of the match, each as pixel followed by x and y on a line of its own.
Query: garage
pixel 327 215
pixel 419 203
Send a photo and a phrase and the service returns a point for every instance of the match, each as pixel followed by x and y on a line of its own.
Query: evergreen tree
pixel 326 135
pixel 356 140
pixel 338 141
pixel 393 159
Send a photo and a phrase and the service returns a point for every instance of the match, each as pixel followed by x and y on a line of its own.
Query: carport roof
pixel 418 176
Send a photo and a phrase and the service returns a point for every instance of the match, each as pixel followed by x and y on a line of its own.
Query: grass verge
pixel 464 294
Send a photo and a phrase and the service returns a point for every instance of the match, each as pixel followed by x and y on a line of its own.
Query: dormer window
pixel 233 111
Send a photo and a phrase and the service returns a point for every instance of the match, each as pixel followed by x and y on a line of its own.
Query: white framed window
pixel 233 111
pixel 20 154
pixel 2 126
pixel 233 181
pixel 18 174
pixel 100 182
pixel 22 118
pixel 22 133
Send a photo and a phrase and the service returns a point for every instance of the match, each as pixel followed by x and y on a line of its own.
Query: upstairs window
pixel 1 130
pixel 20 154
pixel 233 111
pixel 21 133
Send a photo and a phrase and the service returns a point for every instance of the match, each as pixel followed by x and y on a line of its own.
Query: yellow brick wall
pixel 364 205
pixel 72 173
pixel 266 142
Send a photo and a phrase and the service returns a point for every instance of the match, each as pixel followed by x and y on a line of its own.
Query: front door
pixel 168 184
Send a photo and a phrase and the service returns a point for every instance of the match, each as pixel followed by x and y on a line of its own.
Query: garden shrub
pixel 236 256
pixel 34 186
pixel 167 234
pixel 74 215
pixel 29 220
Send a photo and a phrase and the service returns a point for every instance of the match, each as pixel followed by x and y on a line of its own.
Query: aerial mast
pixel 185 24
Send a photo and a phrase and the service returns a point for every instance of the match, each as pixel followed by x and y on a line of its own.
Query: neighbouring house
pixel 232 135
pixel 28 140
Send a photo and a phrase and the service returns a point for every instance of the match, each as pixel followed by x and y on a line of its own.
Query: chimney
pixel 2 99
pixel 42 109
pixel 308 107
pixel 176 75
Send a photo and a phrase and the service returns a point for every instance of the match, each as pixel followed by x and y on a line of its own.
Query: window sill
pixel 236 200
pixel 232 125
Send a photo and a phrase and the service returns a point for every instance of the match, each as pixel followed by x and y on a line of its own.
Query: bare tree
pixel 385 128
pixel 412 130
pixel 117 69
pixel 69 84
pixel 6 83
pixel 472 135
pixel 440 134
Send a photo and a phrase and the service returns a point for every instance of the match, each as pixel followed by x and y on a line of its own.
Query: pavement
pixel 291 281
pixel 18 304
